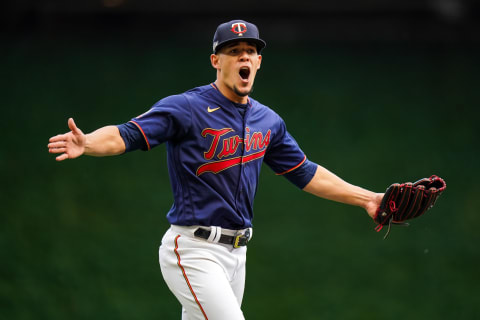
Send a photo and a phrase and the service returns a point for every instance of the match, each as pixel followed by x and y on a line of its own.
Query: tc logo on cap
pixel 239 28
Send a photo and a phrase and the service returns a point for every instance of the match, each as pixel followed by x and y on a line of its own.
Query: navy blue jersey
pixel 215 153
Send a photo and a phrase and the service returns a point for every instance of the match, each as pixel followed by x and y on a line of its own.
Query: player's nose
pixel 244 56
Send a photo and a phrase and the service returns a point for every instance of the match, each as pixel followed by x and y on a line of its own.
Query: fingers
pixel 73 127
pixel 57 150
pixel 58 147
pixel 68 144
pixel 58 137
pixel 62 157
pixel 57 144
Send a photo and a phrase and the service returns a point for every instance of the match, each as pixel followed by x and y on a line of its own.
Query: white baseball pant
pixel 207 277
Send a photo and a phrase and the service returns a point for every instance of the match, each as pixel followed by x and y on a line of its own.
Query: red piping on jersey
pixel 186 278
pixel 143 133
pixel 298 165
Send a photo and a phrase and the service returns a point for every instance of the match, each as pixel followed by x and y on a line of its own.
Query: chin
pixel 242 92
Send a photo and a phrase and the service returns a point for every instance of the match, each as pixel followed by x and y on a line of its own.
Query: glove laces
pixel 393 208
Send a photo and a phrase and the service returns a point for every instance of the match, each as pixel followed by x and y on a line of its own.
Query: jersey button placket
pixel 242 166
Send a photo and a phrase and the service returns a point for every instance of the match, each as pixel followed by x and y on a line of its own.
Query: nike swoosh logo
pixel 211 110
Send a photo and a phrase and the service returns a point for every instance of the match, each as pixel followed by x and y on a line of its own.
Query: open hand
pixel 71 144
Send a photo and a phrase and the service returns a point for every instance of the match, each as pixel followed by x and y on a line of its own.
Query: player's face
pixel 237 64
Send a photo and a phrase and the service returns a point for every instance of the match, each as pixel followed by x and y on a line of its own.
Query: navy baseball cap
pixel 237 30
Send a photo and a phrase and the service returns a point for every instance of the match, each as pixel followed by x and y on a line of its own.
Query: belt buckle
pixel 237 244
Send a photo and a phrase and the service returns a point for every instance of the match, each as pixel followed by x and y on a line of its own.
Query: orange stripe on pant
pixel 186 278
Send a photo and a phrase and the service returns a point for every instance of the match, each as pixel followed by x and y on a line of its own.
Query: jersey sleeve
pixel 168 119
pixel 303 174
pixel 132 137
pixel 285 157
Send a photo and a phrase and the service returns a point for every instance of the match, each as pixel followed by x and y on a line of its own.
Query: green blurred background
pixel 378 93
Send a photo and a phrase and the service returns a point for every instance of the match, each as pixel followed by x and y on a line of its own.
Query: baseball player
pixel 217 137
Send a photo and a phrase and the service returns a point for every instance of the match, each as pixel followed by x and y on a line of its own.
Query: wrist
pixel 87 145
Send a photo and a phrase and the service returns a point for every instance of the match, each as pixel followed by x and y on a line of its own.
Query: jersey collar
pixel 249 102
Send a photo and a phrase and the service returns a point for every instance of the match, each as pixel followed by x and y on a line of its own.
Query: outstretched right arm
pixel 105 141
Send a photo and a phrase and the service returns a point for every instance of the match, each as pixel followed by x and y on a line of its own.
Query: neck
pixel 230 94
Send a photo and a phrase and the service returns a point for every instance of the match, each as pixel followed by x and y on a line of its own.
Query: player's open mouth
pixel 244 73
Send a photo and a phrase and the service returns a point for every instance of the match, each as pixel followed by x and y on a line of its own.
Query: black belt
pixel 236 241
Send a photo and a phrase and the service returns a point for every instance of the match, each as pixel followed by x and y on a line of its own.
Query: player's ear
pixel 214 60
pixel 259 61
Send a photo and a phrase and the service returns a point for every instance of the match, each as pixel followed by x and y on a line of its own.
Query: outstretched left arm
pixel 327 185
